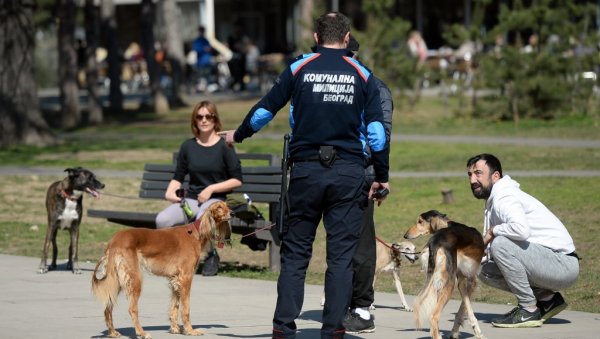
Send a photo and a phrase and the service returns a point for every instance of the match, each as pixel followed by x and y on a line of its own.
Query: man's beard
pixel 483 192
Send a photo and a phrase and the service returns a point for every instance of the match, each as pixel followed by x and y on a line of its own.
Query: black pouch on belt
pixel 327 155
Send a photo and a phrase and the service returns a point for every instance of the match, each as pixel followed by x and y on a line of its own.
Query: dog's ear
pixel 206 224
pixel 221 217
pixel 73 171
pixel 438 223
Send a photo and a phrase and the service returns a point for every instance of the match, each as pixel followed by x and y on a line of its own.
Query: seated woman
pixel 213 168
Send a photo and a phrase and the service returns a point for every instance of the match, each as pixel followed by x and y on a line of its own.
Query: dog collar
pixel 214 238
pixel 192 225
pixel 67 196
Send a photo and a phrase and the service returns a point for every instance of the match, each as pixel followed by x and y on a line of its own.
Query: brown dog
pixel 455 253
pixel 389 259
pixel 64 205
pixel 170 252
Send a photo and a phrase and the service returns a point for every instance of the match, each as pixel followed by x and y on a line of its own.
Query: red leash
pixel 394 249
pixel 384 243
pixel 260 229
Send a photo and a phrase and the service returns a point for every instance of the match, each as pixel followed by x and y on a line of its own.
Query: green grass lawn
pixel 128 146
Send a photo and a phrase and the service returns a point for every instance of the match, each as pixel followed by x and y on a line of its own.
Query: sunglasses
pixel 208 117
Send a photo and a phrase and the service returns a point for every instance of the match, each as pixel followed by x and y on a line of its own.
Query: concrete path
pixel 60 305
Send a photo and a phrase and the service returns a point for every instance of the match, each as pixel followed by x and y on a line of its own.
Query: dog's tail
pixel 438 288
pixel 105 280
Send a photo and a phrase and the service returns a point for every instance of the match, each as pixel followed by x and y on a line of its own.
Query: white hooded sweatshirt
pixel 521 217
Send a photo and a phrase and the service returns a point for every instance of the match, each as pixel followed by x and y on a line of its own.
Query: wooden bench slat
pixel 135 219
pixel 152 194
pixel 256 156
pixel 256 197
pixel 258 188
pixel 157 176
pixel 254 187
pixel 166 175
pixel 159 168
pixel 261 170
pixel 262 179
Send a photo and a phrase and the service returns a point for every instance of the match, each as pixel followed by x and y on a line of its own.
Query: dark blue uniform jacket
pixel 332 95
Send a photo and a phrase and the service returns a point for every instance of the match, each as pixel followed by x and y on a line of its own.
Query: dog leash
pixel 260 229
pixel 120 196
pixel 393 249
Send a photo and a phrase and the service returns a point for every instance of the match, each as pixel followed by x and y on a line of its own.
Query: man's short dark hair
pixel 331 28
pixel 491 161
pixel 353 44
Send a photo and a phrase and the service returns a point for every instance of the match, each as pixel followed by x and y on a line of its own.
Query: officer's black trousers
pixel 337 195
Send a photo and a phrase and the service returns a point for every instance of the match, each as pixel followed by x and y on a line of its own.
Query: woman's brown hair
pixel 212 109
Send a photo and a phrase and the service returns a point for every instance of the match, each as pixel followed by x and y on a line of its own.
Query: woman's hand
pixel 205 194
pixel 171 192
pixel 172 197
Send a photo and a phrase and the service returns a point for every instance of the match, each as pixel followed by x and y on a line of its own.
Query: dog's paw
pixel 407 308
pixel 175 330
pixel 114 334
pixel 77 271
pixel 194 332
pixel 372 307
pixel 144 336
pixel 43 270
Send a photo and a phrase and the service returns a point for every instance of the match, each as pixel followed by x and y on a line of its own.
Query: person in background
pixel 204 51
pixel 417 48
pixel 213 168
pixel 333 97
pixel 530 252
pixel 237 64
pixel 359 318
pixel 252 62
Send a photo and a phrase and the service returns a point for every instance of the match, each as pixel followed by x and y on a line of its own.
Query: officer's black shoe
pixel 211 264
pixel 355 324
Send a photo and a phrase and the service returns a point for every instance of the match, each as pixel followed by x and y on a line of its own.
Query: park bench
pixel 262 184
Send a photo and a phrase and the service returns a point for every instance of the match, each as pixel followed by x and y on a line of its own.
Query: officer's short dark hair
pixel 331 28
pixel 491 161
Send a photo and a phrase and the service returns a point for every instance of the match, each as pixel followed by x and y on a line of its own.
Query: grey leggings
pixel 530 271
pixel 173 215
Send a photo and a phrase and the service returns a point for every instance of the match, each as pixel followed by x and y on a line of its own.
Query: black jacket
pixel 332 97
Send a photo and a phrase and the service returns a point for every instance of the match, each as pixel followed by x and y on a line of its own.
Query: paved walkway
pixel 60 305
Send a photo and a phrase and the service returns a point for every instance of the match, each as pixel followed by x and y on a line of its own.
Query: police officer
pixel 332 95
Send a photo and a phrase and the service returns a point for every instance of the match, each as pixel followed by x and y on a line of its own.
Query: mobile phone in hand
pixel 380 193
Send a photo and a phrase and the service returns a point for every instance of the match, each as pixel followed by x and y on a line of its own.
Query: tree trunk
pixel 20 119
pixel 92 37
pixel 67 65
pixel 109 31
pixel 148 16
pixel 174 47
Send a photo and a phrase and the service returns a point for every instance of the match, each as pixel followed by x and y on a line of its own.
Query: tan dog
pixel 455 252
pixel 389 259
pixel 170 252
pixel 427 223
